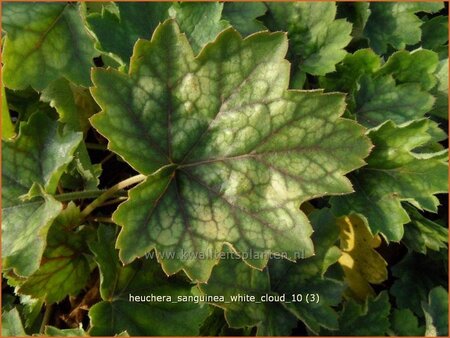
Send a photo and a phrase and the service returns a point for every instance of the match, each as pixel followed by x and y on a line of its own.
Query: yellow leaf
pixel 361 263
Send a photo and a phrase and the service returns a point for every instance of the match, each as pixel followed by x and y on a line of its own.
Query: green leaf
pixel 440 108
pixel 39 155
pixel 64 269
pixel 237 151
pixel 201 22
pixel 81 174
pixel 45 41
pixel 8 130
pixel 316 37
pixel 350 70
pixel 368 319
pixel 423 233
pixel 380 99
pixel 73 103
pixel 26 103
pixel 281 279
pixel 405 323
pixel 12 324
pixel 398 90
pixel 31 310
pixel 412 67
pixel 357 13
pixel 242 16
pixel 436 312
pixel 116 313
pixel 395 24
pixel 417 275
pixel 395 173
pixel 435 34
pixel 118 31
pixel 55 332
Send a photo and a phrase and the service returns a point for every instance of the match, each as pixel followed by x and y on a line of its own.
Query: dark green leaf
pixel 116 313
pixel 45 41
pixel 117 31
pixel 395 23
pixel 242 16
pixel 64 269
pixel 436 312
pixel 39 155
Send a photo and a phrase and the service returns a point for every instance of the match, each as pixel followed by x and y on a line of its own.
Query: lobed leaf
pixel 243 16
pixel 231 277
pixel 436 312
pixel 317 38
pixel 64 268
pixel 38 155
pixel 395 24
pixel 230 153
pixel 117 30
pixel 116 313
pixel 38 49
pixel 395 173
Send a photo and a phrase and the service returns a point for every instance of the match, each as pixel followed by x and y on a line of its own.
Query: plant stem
pixel 77 195
pixel 46 318
pixel 110 193
pixel 114 201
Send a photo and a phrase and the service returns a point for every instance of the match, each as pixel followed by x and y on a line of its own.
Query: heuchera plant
pixel 224 168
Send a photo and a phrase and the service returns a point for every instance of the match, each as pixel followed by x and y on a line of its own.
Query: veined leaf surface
pixel 229 151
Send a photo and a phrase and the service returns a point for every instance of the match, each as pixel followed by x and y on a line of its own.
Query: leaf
pixel 228 166
pixel 8 130
pixel 436 312
pixel 399 90
pixel 440 108
pixel 116 313
pixel 380 99
pixel 81 174
pixel 405 323
pixel 73 103
pixel 357 13
pixel 26 103
pixel 368 319
pixel 362 264
pixel 423 233
pixel 12 324
pixel 316 37
pixel 56 332
pixel 64 269
pixel 281 279
pixel 435 34
pixel 350 70
pixel 412 67
pixel 39 155
pixel 117 31
pixel 31 310
pixel 242 16
pixel 395 173
pixel 395 24
pixel 417 275
pixel 38 48
pixel 201 22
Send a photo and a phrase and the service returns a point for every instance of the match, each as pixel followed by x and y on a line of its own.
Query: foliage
pixel 224 168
